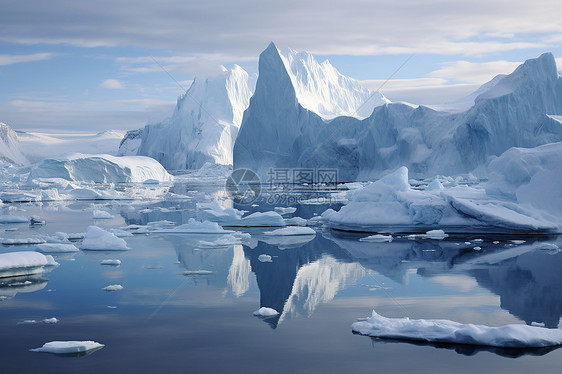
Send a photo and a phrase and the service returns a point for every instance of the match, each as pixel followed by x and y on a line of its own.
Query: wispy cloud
pixel 473 72
pixel 355 27
pixel 6 59
pixel 112 84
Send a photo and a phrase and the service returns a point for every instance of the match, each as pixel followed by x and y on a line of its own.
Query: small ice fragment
pixel 102 214
pixel 266 312
pixel 113 287
pixel 496 242
pixel 111 262
pixel 477 248
pixel 264 258
pixel 436 234
pixel 197 272
pixel 50 320
pixel 68 347
pixel 467 243
pixel 477 240
pixel 378 238
pixel 517 242
pixel 27 322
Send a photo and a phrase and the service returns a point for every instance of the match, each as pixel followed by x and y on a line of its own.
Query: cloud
pixel 112 84
pixel 245 27
pixel 474 72
pixel 17 59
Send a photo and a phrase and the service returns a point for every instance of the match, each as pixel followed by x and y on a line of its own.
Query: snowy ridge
pixel 10 150
pixel 278 132
pixel 204 125
pixel 320 88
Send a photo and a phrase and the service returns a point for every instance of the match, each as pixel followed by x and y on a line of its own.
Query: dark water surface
pixel 164 321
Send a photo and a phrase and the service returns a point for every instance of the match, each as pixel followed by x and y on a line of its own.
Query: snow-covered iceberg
pixel 97 239
pixel 203 127
pixel 390 205
pixel 445 331
pixel 69 347
pixel 78 167
pixel 280 131
pixel 10 150
pixel 24 263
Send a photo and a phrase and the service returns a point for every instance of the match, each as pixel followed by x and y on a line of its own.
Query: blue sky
pixel 87 66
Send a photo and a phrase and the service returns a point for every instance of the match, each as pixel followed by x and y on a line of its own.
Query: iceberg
pixel 97 239
pixel 102 168
pixel 445 331
pixel 24 263
pixel 69 347
pixel 265 312
pixel 390 205
pixel 10 150
pixel 279 130
pixel 113 288
pixel 203 127
pixel 56 248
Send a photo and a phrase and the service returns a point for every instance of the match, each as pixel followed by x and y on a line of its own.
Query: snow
pixel 113 287
pixel 101 214
pixel 195 227
pixel 23 263
pixel 279 132
pixel 445 331
pixel 204 124
pixel 23 241
pixel 265 312
pixel 97 239
pixel 56 248
pixel 68 347
pixel 291 231
pixel 264 258
pixel 101 168
pixel 10 148
pixel 111 262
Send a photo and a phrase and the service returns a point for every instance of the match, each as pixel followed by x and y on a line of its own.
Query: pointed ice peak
pixel 533 71
pixel 319 87
pixel 10 146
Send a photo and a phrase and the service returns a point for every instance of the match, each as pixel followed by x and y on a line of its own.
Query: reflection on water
pixel 10 287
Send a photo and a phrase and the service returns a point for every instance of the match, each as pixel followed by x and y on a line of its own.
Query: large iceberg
pixel 445 331
pixel 101 168
pixel 203 127
pixel 10 150
pixel 280 130
pixel 15 264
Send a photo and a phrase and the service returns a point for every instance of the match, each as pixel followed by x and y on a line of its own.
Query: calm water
pixel 165 321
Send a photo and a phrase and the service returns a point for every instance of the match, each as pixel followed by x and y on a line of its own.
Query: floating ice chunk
pixel 23 241
pixel 98 239
pixel 50 321
pixel 477 248
pixel 13 219
pixel 19 197
pixel 195 227
pixel 120 233
pixel 435 185
pixel 27 322
pixel 56 248
pixel 285 210
pixel 436 234
pixel 264 258
pixel 378 238
pixel 224 241
pixel 261 219
pixel 111 262
pixel 265 312
pixel 69 347
pixel 24 263
pixel 197 272
pixel 517 242
pixel 296 221
pixel 36 220
pixel 445 331
pixel 113 287
pixel 101 168
pixel 291 231
pixel 102 214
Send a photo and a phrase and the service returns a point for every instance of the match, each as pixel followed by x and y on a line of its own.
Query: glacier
pixel 280 130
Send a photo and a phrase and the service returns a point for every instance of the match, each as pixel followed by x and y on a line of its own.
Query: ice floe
pixel 291 231
pixel 98 239
pixel 265 312
pixel 69 347
pixel 446 331
pixel 24 263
